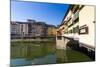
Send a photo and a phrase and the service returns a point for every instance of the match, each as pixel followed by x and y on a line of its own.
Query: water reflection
pixel 32 53
pixel 61 56
pixel 49 59
pixel 35 53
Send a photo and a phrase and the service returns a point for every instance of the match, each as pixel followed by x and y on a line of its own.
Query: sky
pixel 50 13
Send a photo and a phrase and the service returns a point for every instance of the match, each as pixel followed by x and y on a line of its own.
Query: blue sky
pixel 45 12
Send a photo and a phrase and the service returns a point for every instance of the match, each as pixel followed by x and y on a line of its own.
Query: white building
pixel 23 29
pixel 87 27
pixel 19 28
pixel 78 25
pixel 15 28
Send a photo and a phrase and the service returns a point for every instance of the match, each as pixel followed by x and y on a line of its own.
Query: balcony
pixel 76 15
pixel 69 23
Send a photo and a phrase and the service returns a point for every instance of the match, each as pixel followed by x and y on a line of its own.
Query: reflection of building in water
pixel 18 51
pixel 30 50
pixel 61 56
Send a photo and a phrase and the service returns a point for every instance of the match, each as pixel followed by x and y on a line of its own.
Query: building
pixel 51 30
pixel 36 28
pixel 31 28
pixel 23 28
pixel 87 27
pixel 19 29
pixel 14 28
pixel 78 25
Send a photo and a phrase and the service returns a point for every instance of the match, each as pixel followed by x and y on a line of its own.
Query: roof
pixel 65 15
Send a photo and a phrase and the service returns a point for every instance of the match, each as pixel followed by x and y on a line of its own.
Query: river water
pixel 38 53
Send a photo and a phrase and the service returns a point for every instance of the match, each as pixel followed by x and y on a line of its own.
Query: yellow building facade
pixel 51 31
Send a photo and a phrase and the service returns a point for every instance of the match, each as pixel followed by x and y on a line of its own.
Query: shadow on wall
pixel 74 45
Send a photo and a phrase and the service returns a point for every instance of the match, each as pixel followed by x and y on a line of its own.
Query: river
pixel 38 53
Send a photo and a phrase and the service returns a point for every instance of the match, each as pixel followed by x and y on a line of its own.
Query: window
pixel 76 29
pixel 83 29
pixel 93 21
pixel 75 21
pixel 70 31
pixel 70 23
pixel 21 27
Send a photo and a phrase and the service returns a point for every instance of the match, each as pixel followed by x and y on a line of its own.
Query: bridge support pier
pixel 61 42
